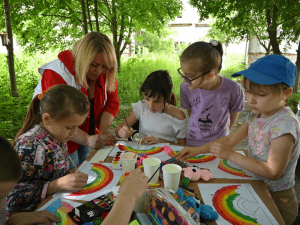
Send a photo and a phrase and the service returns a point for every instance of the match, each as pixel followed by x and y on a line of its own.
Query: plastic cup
pixel 150 166
pixel 128 162
pixel 171 174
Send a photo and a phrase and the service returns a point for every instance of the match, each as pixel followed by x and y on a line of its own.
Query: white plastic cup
pixel 150 166
pixel 171 174
pixel 128 162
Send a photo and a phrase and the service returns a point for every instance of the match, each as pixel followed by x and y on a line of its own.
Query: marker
pixel 151 185
pixel 99 132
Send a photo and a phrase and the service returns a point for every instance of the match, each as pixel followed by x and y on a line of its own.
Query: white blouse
pixel 160 125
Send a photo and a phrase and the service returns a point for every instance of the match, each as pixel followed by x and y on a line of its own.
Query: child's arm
pixel 44 217
pixel 132 188
pixel 122 130
pixel 228 142
pixel 233 119
pixel 273 168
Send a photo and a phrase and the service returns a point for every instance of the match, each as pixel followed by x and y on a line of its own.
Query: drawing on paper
pixel 151 151
pixel 225 166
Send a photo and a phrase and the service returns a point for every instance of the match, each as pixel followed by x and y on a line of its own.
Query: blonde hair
pixel 85 50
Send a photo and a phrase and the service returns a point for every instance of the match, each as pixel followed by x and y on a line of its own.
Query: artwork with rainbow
pixel 60 208
pixel 236 204
pixel 155 150
pixel 100 180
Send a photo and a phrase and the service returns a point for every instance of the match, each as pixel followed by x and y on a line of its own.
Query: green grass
pixel 134 70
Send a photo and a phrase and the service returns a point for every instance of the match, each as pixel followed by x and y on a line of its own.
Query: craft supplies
pixel 128 162
pixel 171 176
pixel 99 132
pixel 150 168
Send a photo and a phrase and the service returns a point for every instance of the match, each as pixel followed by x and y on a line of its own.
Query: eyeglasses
pixel 189 81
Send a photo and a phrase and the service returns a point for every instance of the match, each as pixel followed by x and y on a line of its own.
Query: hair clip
pixel 214 43
pixel 41 95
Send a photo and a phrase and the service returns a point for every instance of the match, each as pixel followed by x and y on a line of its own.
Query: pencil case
pixel 162 208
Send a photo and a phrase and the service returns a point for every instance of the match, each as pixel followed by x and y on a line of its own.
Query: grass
pixel 134 71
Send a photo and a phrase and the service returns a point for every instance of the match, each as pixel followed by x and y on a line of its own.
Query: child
pixel 273 132
pixel 10 174
pixel 213 102
pixel 52 119
pixel 160 121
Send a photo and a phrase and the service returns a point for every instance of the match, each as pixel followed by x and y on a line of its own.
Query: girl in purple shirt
pixel 213 102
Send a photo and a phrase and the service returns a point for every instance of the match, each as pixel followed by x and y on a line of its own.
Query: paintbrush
pixel 137 149
pixel 74 164
pixel 126 122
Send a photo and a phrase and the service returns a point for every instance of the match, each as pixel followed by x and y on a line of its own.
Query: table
pixel 258 185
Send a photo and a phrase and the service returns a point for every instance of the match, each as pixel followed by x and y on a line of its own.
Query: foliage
pixel 157 42
pixel 57 24
pixel 233 62
pixel 271 21
pixel 293 100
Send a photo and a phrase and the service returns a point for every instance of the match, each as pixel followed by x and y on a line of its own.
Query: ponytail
pixel 33 117
pixel 218 45
pixel 172 99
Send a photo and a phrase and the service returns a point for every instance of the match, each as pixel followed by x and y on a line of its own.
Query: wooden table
pixel 258 185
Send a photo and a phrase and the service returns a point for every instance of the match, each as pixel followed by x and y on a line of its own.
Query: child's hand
pixel 217 150
pixel 149 140
pixel 74 181
pixel 135 185
pixel 97 141
pixel 186 153
pixel 24 218
pixel 125 132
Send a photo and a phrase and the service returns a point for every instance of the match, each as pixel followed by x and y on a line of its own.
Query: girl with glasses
pixel 160 121
pixel 213 102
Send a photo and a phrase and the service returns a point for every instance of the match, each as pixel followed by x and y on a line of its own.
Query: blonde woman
pixel 90 66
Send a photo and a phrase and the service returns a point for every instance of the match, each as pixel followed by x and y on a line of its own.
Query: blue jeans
pixel 79 155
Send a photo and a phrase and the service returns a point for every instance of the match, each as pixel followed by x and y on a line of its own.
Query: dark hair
pixel 204 56
pixel 59 101
pixel 10 163
pixel 159 83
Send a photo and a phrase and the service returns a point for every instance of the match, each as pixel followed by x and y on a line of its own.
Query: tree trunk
pixel 84 17
pixel 10 51
pixel 296 84
pixel 89 15
pixel 115 34
pixel 96 15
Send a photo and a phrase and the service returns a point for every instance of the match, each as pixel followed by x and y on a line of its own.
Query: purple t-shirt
pixel 210 110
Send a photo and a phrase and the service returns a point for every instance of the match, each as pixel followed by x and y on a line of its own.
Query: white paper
pixel 97 173
pixel 101 154
pixel 236 201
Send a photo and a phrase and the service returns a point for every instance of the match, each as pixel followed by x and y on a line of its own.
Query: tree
pixel 42 25
pixel 271 21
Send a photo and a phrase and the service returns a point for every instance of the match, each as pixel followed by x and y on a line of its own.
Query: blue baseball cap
pixel 270 69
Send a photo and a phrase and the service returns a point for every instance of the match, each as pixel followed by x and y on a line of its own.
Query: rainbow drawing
pixel 61 209
pixel 197 159
pixel 224 204
pixel 224 166
pixel 151 151
pixel 104 176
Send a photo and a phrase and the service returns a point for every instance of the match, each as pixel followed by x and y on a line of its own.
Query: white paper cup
pixel 171 174
pixel 128 162
pixel 150 166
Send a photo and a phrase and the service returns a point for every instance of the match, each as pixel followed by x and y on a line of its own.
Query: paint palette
pixel 117 162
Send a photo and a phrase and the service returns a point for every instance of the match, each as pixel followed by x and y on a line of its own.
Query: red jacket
pixel 50 78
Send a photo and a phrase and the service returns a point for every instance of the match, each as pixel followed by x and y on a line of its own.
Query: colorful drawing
pixel 151 151
pixel 224 166
pixel 236 204
pixel 196 159
pixel 60 209
pixel 103 177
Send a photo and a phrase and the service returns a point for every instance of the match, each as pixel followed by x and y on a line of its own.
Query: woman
pixel 91 67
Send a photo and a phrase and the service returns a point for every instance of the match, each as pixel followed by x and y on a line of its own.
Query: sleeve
pixel 28 193
pixel 113 103
pixel 51 78
pixel 182 129
pixel 137 109
pixel 285 125
pixel 237 102
pixel 184 98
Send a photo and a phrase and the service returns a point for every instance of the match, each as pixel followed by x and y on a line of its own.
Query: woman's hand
pixel 149 140
pixel 126 132
pixel 134 185
pixel 98 141
pixel 24 218
pixel 186 153
pixel 73 181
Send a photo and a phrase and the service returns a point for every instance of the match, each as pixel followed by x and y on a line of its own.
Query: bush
pixel 293 100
